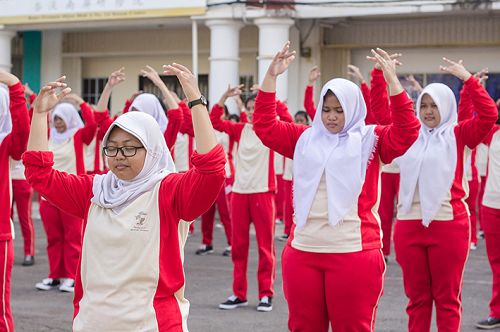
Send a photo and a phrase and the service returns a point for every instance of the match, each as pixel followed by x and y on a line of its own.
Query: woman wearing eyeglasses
pixel 67 137
pixel 130 276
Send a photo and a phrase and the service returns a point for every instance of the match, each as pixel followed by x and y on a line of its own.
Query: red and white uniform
pixel 490 212
pixel 252 201
pixel 432 252
pixel 64 231
pixel 14 132
pixel 131 275
pixel 336 271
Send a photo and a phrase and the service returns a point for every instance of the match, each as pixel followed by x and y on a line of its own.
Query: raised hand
pixel 116 77
pixel 8 78
pixel 74 98
pixel 414 83
pixel 457 69
pixel 188 81
pixel 354 72
pixel 281 61
pixel 152 74
pixel 388 65
pixel 234 91
pixel 49 97
pixel 482 75
pixel 255 88
pixel 314 74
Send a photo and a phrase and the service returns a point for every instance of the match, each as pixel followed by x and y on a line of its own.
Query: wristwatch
pixel 202 100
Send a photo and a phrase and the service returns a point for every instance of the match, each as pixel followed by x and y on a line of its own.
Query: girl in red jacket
pixel 432 231
pixel 130 275
pixel 67 137
pixel 332 265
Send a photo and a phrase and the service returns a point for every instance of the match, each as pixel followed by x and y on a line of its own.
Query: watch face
pixel 203 100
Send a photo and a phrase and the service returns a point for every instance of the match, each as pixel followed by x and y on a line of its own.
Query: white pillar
pixel 273 34
pixel 51 55
pixel 224 59
pixel 5 49
pixel 194 42
pixel 72 68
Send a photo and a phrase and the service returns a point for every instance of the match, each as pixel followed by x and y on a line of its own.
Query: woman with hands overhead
pixel 432 231
pixel 68 136
pixel 332 265
pixel 130 275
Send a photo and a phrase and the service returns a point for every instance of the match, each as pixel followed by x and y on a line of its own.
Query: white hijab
pixel 5 118
pixel 113 193
pixel 432 160
pixel 342 157
pixel 69 114
pixel 149 104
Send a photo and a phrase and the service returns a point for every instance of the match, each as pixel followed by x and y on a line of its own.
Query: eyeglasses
pixel 127 151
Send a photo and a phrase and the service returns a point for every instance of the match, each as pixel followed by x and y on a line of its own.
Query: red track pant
pixel 22 194
pixel 472 203
pixel 288 208
pixel 207 219
pixel 432 260
pixel 388 197
pixel 7 255
pixel 259 210
pixel 64 240
pixel 279 197
pixel 491 227
pixel 341 289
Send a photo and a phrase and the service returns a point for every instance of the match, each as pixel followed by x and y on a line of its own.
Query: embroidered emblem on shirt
pixel 140 222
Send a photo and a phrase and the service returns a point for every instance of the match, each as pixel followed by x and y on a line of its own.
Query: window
pixel 92 88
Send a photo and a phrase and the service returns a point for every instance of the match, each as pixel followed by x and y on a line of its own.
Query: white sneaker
pixel 68 286
pixel 473 246
pixel 48 284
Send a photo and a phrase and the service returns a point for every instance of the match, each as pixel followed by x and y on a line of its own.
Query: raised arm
pixel 277 135
pixel 282 111
pixel 473 130
pixel 18 137
pixel 89 131
pixel 309 106
pixel 153 75
pixel 232 129
pixel 69 192
pixel 355 73
pixel 396 138
pixel 203 131
pixel 114 79
pixel 379 98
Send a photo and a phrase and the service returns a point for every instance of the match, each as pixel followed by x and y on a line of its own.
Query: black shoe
pixel 232 303
pixel 227 252
pixel 283 238
pixel 205 250
pixel 386 259
pixel 28 260
pixel 488 324
pixel 265 304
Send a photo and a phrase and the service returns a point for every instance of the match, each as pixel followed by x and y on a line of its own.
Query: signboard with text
pixel 49 11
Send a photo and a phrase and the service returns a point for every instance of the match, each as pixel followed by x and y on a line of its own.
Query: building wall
pixel 102 52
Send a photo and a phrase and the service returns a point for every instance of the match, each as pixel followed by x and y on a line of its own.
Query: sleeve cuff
pixel 400 99
pixel 210 162
pixel 266 97
pixel 38 158
pixel 16 89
